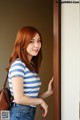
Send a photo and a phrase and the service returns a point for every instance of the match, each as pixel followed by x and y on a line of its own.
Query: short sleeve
pixel 17 69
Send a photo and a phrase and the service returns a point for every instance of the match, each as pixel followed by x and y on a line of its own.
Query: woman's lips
pixel 36 50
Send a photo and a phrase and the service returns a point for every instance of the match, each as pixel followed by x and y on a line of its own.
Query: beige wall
pixel 15 14
pixel 70 61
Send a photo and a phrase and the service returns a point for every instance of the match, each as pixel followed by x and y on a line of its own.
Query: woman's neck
pixel 29 58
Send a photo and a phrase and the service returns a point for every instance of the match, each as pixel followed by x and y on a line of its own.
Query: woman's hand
pixel 44 108
pixel 50 87
pixel 49 91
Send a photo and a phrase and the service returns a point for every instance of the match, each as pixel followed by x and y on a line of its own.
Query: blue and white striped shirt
pixel 31 79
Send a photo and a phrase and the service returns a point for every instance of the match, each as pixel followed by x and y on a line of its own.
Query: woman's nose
pixel 36 44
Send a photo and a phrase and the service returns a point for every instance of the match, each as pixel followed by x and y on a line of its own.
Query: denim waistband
pixel 31 107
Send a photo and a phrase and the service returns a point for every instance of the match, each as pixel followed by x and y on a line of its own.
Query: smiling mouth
pixel 35 50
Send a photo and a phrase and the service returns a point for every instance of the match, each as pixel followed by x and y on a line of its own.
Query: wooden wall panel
pixel 57 58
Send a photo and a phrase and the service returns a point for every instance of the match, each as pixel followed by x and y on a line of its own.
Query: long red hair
pixel 23 38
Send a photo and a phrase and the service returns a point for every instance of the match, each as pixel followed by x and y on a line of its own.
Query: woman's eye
pixel 39 41
pixel 31 42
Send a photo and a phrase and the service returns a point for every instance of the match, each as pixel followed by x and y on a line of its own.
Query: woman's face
pixel 34 46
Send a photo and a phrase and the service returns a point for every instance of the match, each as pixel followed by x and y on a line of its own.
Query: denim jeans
pixel 22 112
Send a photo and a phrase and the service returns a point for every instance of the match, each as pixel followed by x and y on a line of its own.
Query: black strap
pixel 5 82
pixel 4 86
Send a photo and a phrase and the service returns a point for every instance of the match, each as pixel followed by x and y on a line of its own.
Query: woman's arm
pixel 18 91
pixel 49 91
pixel 20 98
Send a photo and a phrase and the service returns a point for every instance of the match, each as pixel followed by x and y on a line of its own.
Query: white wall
pixel 70 63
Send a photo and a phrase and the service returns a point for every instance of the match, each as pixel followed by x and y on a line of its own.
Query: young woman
pixel 23 78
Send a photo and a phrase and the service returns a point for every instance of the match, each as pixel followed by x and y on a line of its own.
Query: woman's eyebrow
pixel 34 39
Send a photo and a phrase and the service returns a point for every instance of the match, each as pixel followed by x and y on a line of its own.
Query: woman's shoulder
pixel 17 68
pixel 18 62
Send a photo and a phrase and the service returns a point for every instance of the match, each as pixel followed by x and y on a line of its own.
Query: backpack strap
pixel 5 82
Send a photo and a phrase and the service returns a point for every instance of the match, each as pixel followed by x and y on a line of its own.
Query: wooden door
pixel 57 58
